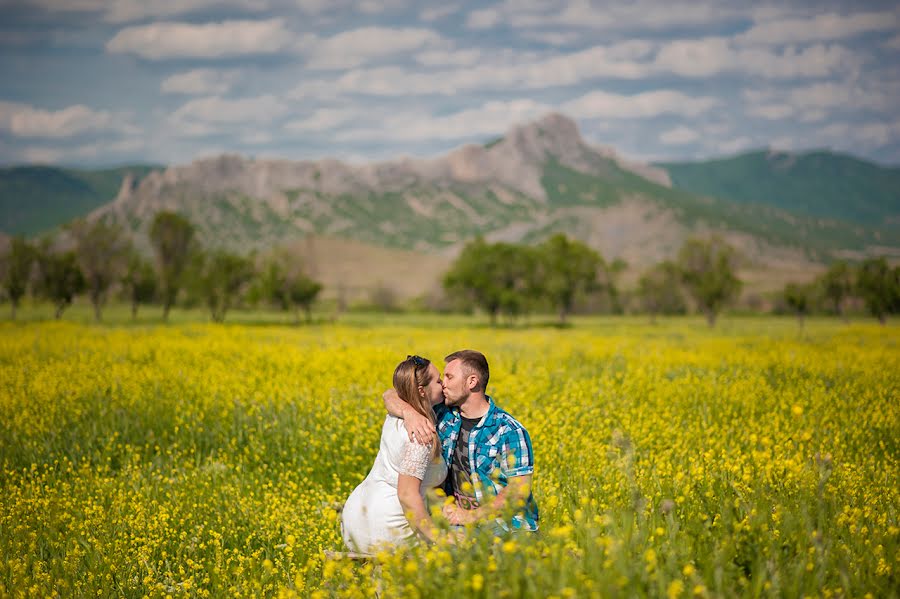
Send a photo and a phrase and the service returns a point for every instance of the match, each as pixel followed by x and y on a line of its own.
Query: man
pixel 489 453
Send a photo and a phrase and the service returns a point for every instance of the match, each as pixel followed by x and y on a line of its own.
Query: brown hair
pixel 410 374
pixel 473 362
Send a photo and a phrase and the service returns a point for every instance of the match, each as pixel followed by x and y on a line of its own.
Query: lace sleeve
pixel 415 460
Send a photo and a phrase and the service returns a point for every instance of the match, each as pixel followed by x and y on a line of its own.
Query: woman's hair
pixel 410 374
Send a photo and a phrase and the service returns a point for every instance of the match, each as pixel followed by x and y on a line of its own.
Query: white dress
pixel 372 514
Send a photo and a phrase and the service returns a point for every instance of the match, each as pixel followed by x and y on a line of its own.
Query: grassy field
pixel 193 459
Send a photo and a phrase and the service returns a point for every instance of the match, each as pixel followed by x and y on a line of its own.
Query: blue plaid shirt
pixel 499 449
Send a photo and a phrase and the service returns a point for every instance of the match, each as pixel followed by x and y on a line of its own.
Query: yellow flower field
pixel 202 460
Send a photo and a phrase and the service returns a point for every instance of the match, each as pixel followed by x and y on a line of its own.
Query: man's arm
pixel 511 498
pixel 517 465
pixel 419 428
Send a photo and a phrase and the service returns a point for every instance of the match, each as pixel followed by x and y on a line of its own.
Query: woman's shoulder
pixel 393 429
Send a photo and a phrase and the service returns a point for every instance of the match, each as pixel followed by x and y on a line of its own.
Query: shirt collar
pixel 488 416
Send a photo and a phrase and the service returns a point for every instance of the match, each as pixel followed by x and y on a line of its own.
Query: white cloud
pixel 630 60
pixel 552 38
pixel 200 82
pixel 599 104
pixel 871 135
pixel 314 6
pixel 325 119
pixel 164 40
pixel 823 27
pixel 442 58
pixel 735 145
pixel 715 55
pixel 315 89
pixel 783 143
pixel 374 7
pixel 436 13
pixel 22 120
pixel 57 155
pixel 773 112
pixel 484 18
pixel 849 95
pixel 63 6
pixel 619 16
pixel 679 136
pixel 893 43
pixel 216 115
pixel 491 118
pixel 502 73
pixel 42 155
pixel 122 11
pixel 696 58
pixel 814 102
pixel 813 115
pixel 353 48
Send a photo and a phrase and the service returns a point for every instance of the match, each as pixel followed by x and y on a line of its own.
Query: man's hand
pixel 418 427
pixel 459 516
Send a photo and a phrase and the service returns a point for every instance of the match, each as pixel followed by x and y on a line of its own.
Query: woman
pixel 376 512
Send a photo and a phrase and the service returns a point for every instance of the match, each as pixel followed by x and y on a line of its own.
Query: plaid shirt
pixel 499 449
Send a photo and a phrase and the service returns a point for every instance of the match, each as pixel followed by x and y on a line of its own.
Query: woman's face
pixel 433 391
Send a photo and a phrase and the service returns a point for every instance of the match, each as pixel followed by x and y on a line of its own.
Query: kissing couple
pixel 443 432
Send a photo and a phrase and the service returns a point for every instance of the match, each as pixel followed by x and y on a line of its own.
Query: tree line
pixel 873 282
pixel 505 280
pixel 95 257
pixel 512 279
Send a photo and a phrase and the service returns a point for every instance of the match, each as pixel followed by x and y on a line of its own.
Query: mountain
pixel 366 224
pixel 35 199
pixel 819 184
pixel 539 178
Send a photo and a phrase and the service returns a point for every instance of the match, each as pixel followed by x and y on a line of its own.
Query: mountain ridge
pixel 37 198
pixel 537 179
pixel 817 183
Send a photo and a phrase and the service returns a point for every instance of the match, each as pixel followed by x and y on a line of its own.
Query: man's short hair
pixel 473 362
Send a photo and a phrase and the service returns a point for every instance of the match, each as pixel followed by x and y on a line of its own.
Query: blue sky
pixel 103 82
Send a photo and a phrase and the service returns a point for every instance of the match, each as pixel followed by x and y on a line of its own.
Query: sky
pixel 109 82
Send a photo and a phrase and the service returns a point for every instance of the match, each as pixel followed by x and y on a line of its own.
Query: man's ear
pixel 472 382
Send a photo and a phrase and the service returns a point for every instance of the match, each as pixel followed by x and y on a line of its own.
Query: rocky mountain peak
pixel 129 183
pixel 552 135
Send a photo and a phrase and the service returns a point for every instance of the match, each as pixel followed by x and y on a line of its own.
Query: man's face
pixel 456 387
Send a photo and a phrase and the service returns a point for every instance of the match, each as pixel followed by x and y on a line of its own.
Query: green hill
pixel 820 184
pixel 34 199
pixel 764 221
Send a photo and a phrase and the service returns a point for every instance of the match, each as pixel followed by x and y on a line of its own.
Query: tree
pixel 102 252
pixel 218 277
pixel 285 284
pixel 60 279
pixel 707 272
pixel 497 277
pixel 16 262
pixel 566 269
pixel 138 282
pixel 611 285
pixel 837 285
pixel 895 305
pixel 659 290
pixel 877 284
pixel 799 299
pixel 171 235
